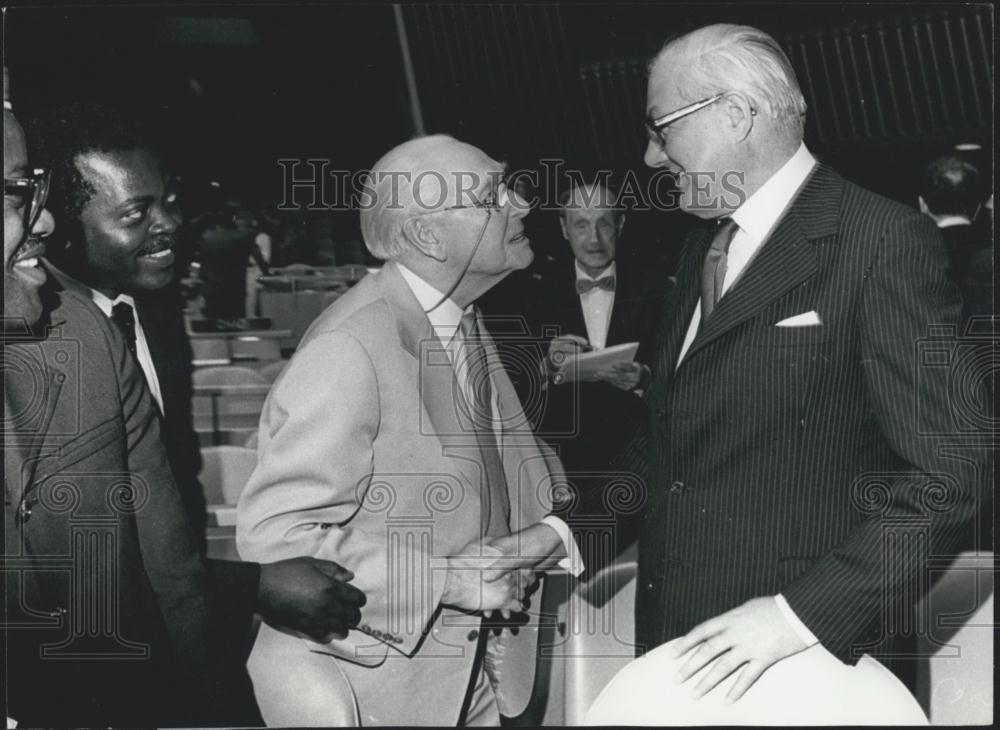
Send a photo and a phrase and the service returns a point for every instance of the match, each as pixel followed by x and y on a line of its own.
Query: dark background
pixel 231 89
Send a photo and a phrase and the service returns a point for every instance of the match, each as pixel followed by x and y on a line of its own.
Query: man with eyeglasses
pixel 107 605
pixel 394 442
pixel 792 425
pixel 25 224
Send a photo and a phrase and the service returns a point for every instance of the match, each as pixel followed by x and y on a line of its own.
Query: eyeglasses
pixel 32 192
pixel 655 127
pixel 495 200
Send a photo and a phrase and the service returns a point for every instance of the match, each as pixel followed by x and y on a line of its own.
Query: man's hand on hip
pixel 309 595
pixel 748 639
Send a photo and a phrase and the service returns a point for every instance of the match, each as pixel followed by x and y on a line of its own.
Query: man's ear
pixel 923 205
pixel 621 223
pixel 740 114
pixel 562 225
pixel 422 237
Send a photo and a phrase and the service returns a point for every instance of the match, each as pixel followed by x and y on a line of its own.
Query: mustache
pixel 160 243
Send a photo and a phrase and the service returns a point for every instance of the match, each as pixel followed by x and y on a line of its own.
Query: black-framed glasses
pixel 31 192
pixel 655 128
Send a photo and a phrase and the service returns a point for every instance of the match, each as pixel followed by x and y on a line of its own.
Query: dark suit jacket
pixel 92 514
pixel 162 320
pixel 814 461
pixel 589 423
pixel 970 249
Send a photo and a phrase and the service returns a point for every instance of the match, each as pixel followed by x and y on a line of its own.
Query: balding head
pixel 440 207
pixel 414 177
pixel 724 57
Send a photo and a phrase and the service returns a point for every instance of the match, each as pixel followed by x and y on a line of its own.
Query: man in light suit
pixel 803 460
pixel 395 443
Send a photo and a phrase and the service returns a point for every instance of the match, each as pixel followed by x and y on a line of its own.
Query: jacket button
pixel 473 635
pixel 677 487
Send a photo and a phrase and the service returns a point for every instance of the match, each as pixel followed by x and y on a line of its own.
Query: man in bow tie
pixel 796 432
pixel 593 300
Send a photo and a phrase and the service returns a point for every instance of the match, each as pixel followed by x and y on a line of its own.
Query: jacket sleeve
pixel 923 508
pixel 173 562
pixel 314 480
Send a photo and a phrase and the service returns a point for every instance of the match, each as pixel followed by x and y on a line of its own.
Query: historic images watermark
pixel 313 184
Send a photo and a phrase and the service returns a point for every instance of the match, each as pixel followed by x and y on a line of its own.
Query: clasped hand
pixel 500 574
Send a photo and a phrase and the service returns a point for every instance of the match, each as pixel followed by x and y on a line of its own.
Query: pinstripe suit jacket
pixel 808 461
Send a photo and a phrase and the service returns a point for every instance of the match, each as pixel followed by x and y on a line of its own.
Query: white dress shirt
pixel 756 218
pixel 445 320
pixel 596 305
pixel 141 346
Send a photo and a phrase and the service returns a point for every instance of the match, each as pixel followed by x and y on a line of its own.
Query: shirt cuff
pixel 573 562
pixel 801 630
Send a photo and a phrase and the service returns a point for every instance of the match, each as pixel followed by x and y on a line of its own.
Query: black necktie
pixel 714 272
pixel 605 282
pixel 124 317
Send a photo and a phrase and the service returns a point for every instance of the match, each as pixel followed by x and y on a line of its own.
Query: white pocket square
pixel 806 319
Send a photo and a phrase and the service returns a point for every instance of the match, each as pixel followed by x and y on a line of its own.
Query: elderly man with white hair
pixel 805 458
pixel 395 442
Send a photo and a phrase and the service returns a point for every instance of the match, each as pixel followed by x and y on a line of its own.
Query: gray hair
pixel 725 57
pixel 388 197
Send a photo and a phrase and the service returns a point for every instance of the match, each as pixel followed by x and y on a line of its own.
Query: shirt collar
pixel 105 302
pixel 947 221
pixel 581 274
pixel 444 318
pixel 761 211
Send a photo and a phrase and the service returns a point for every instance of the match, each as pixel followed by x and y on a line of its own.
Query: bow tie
pixel 605 282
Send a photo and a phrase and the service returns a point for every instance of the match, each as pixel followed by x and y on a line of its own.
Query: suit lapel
pixel 680 306
pixel 437 382
pixel 22 454
pixel 786 259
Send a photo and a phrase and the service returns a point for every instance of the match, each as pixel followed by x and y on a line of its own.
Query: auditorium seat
pixel 226 375
pixel 225 470
pixel 227 399
pixel 955 684
pixel 590 639
pixel 272 370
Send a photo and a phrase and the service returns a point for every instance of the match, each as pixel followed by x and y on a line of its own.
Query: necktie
pixel 479 395
pixel 605 282
pixel 713 274
pixel 124 317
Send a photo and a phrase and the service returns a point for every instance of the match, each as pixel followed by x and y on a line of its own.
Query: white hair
pixel 388 198
pixel 725 57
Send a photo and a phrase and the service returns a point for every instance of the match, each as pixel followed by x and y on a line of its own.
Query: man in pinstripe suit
pixel 794 454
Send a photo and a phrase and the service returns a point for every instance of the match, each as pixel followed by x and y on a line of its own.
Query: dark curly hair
pixel 56 138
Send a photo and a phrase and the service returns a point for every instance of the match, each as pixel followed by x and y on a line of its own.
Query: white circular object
pixel 809 688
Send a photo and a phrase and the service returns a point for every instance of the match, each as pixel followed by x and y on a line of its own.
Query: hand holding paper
pixel 587 365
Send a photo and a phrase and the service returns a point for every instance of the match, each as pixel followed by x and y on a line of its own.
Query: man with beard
pixel 91 446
